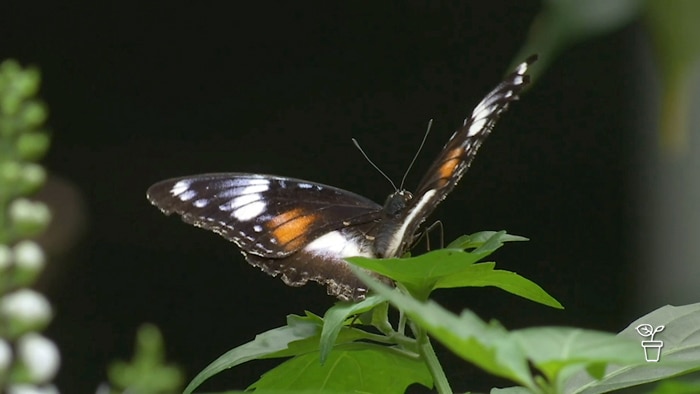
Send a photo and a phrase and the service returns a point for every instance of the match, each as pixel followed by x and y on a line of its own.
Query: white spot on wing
pixel 239 201
pixel 238 182
pixel 337 245
pixel 305 185
pixel 249 211
pixel 201 203
pixel 254 189
pixel 476 127
pixel 186 195
pixel 180 187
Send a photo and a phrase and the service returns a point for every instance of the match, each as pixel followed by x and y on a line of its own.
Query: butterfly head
pixel 397 202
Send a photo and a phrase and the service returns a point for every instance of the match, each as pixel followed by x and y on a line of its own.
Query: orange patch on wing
pixel 289 227
pixel 447 168
pixel 282 218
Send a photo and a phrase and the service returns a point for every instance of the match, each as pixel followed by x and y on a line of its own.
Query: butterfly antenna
pixel 425 137
pixel 357 145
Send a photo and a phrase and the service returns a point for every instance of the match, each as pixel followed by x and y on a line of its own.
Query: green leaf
pixel 358 367
pixel 450 268
pixel 301 335
pixel 487 346
pixel 420 274
pixel 677 387
pixel 511 390
pixel 674 31
pixel 680 353
pixel 563 23
pixel 484 274
pixel 477 239
pixel 264 344
pixel 421 269
pixel 552 349
pixel 148 371
pixel 336 318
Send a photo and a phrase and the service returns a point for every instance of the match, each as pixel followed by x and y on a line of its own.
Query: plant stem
pixel 428 353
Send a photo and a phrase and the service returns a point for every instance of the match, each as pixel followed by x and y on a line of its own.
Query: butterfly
pixel 302 231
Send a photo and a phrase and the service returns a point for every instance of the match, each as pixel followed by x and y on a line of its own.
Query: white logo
pixel 652 348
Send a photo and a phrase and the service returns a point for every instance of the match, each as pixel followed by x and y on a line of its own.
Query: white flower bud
pixel 30 216
pixel 27 307
pixel 31 389
pixel 29 255
pixel 34 175
pixel 40 356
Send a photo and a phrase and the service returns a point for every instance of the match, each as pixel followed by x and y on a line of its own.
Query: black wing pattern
pixel 297 229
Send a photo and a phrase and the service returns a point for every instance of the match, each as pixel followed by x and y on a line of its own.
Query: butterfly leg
pixel 437 225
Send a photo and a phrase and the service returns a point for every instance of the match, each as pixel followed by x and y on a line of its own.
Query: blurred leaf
pixel 677 387
pixel 147 372
pixel 511 390
pixel 552 349
pixel 680 352
pixel 674 30
pixel 562 23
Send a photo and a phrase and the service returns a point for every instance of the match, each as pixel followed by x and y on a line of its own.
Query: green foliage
pixel 564 23
pixel 28 361
pixel 674 30
pixel 147 372
pixel 671 26
pixel 345 343
pixel 455 267
pixel 681 352
pixel 22 141
pixel 678 387
pixel 355 347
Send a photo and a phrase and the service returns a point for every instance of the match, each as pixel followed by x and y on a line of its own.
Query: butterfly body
pixel 301 230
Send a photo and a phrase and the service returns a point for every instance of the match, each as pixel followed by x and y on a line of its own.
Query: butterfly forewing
pixel 301 231
pixel 454 159
pixel 265 215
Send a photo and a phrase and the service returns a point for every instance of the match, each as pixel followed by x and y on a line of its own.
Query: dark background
pixel 139 93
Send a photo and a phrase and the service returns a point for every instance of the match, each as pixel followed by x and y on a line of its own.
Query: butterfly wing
pixel 297 229
pixel 454 159
pixel 459 152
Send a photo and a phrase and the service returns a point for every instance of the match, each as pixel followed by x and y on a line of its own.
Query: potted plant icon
pixel 652 348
